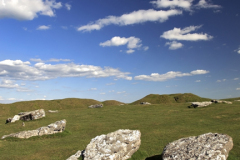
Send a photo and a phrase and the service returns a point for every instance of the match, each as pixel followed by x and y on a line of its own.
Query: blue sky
pixel 118 49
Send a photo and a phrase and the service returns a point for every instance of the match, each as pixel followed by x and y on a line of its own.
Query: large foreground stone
pixel 76 155
pixel 118 145
pixel 210 146
pixel 27 116
pixel 52 128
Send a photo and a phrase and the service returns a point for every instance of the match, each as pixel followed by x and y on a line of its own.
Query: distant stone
pixel 118 145
pixel 26 116
pixel 32 115
pixel 76 155
pixel 52 128
pixel 218 101
pixel 200 104
pixel 237 100
pixel 53 111
pixel 212 146
pixel 96 106
pixel 145 103
pixel 227 102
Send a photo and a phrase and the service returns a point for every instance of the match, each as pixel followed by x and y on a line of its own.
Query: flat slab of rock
pixel 118 145
pixel 53 111
pixel 27 116
pixel 210 146
pixel 145 103
pixel 200 104
pixel 52 128
pixel 96 106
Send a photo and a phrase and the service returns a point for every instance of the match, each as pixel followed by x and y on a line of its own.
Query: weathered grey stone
pixel 76 155
pixel 209 146
pixel 53 111
pixel 26 116
pixel 118 145
pixel 227 102
pixel 145 103
pixel 200 104
pixel 96 106
pixel 52 128
pixel 37 114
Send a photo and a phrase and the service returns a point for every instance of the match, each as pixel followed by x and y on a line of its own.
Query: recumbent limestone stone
pixel 118 145
pixel 52 128
pixel 209 146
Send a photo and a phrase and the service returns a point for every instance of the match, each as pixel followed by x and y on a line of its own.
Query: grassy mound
pixel 111 103
pixel 68 103
pixel 171 98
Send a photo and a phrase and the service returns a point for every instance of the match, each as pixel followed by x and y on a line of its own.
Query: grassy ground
pixel 159 124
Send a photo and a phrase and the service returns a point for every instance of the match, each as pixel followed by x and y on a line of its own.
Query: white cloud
pixel 58 60
pixel 198 81
pixel 50 60
pixel 68 6
pixel 174 45
pixel 204 4
pixel 186 4
pixel 236 79
pixel 238 51
pixel 102 93
pixel 130 51
pixel 19 70
pixel 12 99
pixel 184 34
pixel 93 89
pixel 28 9
pixel 109 84
pixel 135 17
pixel 238 89
pixel 8 84
pixel 131 42
pixel 121 92
pixel 168 75
pixel 1 99
pixel 43 27
pixel 145 48
pixel 223 80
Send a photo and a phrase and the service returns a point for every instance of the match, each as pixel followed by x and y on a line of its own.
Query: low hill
pixel 68 103
pixel 111 103
pixel 171 98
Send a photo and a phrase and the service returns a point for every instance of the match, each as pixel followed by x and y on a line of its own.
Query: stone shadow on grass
pixel 155 157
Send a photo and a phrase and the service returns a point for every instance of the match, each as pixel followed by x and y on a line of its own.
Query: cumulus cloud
pixel 168 75
pixel 131 42
pixel 185 4
pixel 198 81
pixel 19 70
pixel 8 84
pixel 236 79
pixel 238 89
pixel 135 17
pixel 28 9
pixel 50 60
pixel 102 93
pixel 184 34
pixel 68 6
pixel 93 89
pixel 1 99
pixel 204 4
pixel 43 27
pixel 174 45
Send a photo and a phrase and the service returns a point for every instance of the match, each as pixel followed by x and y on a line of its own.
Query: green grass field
pixel 159 124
